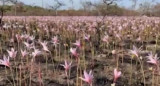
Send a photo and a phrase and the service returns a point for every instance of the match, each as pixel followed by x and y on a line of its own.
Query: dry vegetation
pixel 33 51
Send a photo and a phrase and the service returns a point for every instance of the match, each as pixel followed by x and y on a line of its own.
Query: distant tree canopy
pixel 156 10
pixel 101 8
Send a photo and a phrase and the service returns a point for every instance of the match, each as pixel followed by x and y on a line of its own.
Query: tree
pixel 102 7
pixel 14 2
pixel 57 5
pixel 145 8
pixel 136 1
pixel 87 6
pixel 156 10
pixel 20 7
pixel 2 10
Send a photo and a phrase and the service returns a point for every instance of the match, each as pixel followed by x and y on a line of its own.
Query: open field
pixel 61 51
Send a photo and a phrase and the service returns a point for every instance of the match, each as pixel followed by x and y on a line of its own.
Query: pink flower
pixel 12 53
pixel 44 44
pixel 118 36
pixel 139 38
pixel 87 37
pixel 31 38
pixel 117 74
pixel 36 52
pixel 25 36
pixel 74 52
pixel 67 66
pixel 5 61
pixel 12 40
pixel 19 38
pixel 153 59
pixel 77 43
pixel 24 53
pixel 114 52
pixel 105 38
pixel 135 51
pixel 55 40
pixel 29 46
pixel 87 77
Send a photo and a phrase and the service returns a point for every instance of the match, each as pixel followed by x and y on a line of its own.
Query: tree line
pixel 102 8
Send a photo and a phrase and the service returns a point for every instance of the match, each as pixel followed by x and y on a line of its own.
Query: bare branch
pixel 57 5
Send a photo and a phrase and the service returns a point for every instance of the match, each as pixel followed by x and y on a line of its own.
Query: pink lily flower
pixel 29 46
pixel 12 40
pixel 135 51
pixel 5 61
pixel 67 66
pixel 19 38
pixel 87 77
pixel 25 36
pixel 153 59
pixel 118 36
pixel 55 40
pixel 117 74
pixel 139 38
pixel 36 52
pixel 77 43
pixel 87 37
pixel 31 38
pixel 114 52
pixel 74 52
pixel 105 38
pixel 24 53
pixel 12 53
pixel 44 44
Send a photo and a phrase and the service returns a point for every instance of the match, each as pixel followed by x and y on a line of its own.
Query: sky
pixel 77 3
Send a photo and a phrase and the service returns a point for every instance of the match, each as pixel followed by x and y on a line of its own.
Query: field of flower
pixel 80 51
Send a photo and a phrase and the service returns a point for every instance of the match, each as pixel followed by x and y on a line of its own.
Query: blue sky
pixel 76 3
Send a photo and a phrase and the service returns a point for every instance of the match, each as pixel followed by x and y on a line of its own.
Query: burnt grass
pixel 102 65
pixel 94 55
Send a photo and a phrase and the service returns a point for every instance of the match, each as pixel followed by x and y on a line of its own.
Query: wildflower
pixel 114 52
pixel 118 36
pixel 74 52
pixel 31 38
pixel 139 38
pixel 12 40
pixel 66 66
pixel 25 36
pixel 117 74
pixel 87 77
pixel 29 46
pixel 44 44
pixel 105 38
pixel 65 44
pixel 24 53
pixel 135 51
pixel 87 37
pixel 153 59
pixel 55 40
pixel 12 53
pixel 77 43
pixel 5 61
pixel 36 52
pixel 19 38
